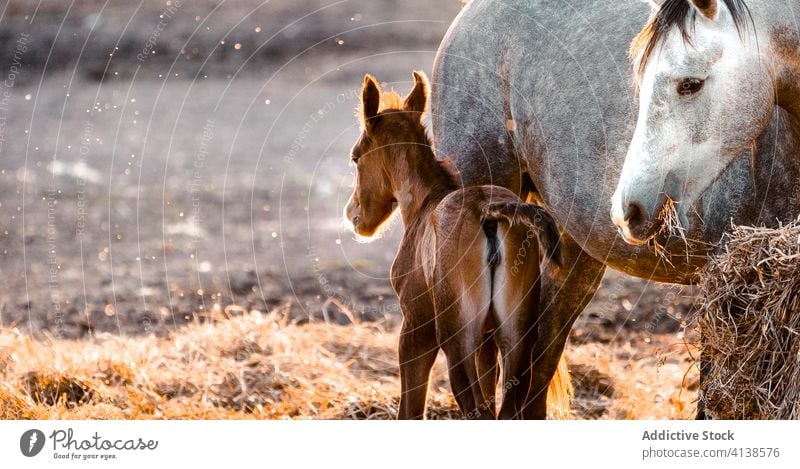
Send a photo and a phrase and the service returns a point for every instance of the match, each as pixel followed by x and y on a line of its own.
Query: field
pixel 171 237
pixel 257 365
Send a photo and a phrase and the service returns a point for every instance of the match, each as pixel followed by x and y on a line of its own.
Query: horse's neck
pixel 421 185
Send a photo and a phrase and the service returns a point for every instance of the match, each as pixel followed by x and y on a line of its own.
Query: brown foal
pixel 468 267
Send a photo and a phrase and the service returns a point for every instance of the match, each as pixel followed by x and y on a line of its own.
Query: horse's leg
pixel 565 293
pixel 417 353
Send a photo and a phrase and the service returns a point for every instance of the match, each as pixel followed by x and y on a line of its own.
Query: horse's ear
pixel 417 99
pixel 707 8
pixel 370 100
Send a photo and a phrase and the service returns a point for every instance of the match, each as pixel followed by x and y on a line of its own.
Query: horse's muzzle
pixel 637 225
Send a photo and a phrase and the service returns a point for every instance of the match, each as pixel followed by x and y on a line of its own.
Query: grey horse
pixel 540 96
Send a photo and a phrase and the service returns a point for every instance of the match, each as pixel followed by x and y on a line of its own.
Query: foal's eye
pixel 354 159
pixel 690 86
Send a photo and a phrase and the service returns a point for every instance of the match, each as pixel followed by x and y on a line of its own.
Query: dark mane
pixel 678 13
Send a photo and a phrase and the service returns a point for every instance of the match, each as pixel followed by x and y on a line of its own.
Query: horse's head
pixel 705 95
pixel 389 126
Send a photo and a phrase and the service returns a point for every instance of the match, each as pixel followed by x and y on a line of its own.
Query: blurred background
pixel 161 158
pixel 170 162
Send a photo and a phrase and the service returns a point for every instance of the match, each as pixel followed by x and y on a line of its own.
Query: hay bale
pixel 751 326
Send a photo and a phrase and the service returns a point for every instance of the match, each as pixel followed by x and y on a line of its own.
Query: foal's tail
pixel 533 216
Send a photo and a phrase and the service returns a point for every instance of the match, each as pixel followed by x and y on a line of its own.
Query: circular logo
pixel 31 442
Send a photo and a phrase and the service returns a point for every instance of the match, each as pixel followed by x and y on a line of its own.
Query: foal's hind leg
pixel 417 353
pixel 460 332
pixel 516 305
pixel 516 375
pixel 488 370
pixel 464 379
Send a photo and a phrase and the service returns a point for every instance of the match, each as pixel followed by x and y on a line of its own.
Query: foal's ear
pixel 707 8
pixel 370 100
pixel 417 99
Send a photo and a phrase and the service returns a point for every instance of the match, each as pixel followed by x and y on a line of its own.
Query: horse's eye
pixel 689 86
pixel 354 158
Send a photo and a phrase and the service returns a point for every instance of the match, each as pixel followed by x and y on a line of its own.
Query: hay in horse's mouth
pixel 670 227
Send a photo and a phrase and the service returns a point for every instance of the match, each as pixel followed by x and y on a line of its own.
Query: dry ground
pixel 258 365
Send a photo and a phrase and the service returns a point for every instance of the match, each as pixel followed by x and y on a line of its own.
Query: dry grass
pixel 251 366
pixel 256 366
pixel 751 325
pixel 634 382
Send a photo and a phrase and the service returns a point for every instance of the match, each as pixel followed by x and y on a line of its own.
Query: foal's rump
pixel 534 218
pixel 485 231
pixel 489 247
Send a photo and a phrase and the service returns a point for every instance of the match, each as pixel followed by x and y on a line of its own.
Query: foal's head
pixel 391 129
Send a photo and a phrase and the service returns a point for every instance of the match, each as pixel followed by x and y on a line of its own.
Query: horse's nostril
pixel 356 219
pixel 634 214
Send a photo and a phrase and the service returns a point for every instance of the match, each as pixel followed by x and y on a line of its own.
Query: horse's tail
pixel 560 393
pixel 533 216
